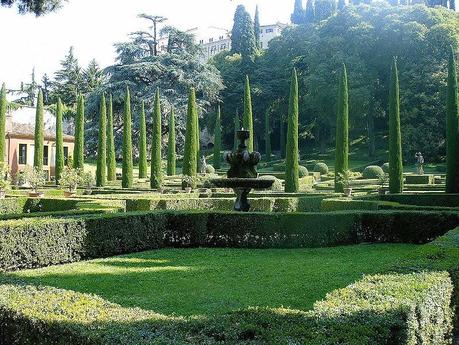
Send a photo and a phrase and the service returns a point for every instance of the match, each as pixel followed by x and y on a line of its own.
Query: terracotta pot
pixel 69 194
pixel 36 194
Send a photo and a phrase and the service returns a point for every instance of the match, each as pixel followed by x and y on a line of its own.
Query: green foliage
pixel 268 151
pixel 302 171
pixel 322 168
pixel 39 134
pixel 395 137
pixel 35 177
pixel 70 179
pixel 127 174
pixel 218 140
pixel 292 154
pixel 243 40
pixel 37 7
pixel 78 151
pixel 156 178
pixel 298 14
pixel 385 168
pixel 171 146
pixel 68 83
pixel 237 126
pixel 452 128
pixel 342 130
pixel 60 159
pixel 191 146
pixel 111 155
pixel 101 171
pixel 143 144
pixel 247 119
pixel 3 106
pixel 256 28
pixel 372 172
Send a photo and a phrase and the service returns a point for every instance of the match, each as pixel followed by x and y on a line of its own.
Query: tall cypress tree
pixel 78 151
pixel 247 120
pixel 342 131
pixel 143 144
pixel 3 105
pixel 111 155
pixel 310 13
pixel 198 142
pixel 282 137
pixel 60 159
pixel 242 35
pixel 101 171
pixel 171 153
pixel 268 151
pixel 191 147
pixel 256 28
pixel 452 5
pixel 218 140
pixel 156 178
pixel 127 176
pixel 297 16
pixel 395 137
pixel 39 133
pixel 237 126
pixel 452 128
pixel 292 155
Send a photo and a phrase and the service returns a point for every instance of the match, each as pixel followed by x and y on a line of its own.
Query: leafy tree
pixel 243 39
pixel 247 119
pixel 127 173
pixel 156 170
pixel 68 80
pixel 171 151
pixel 218 140
pixel 111 156
pixel 37 7
pixel 395 137
pixel 78 151
pixel 39 133
pixel 298 14
pixel 101 171
pixel 452 128
pixel 191 146
pixel 324 9
pixel 256 28
pixel 267 137
pixel 60 159
pixel 143 144
pixel 342 131
pixel 292 156
pixel 3 106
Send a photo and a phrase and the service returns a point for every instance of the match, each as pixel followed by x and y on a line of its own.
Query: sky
pixel 93 26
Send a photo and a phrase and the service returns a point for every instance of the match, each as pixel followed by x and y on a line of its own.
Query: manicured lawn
pixel 208 281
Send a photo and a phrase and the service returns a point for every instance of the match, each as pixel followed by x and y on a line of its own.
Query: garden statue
pixel 202 165
pixel 419 163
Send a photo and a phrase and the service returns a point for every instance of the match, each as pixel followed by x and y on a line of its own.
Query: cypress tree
pixel 198 143
pixel 218 140
pixel 282 137
pixel 452 128
pixel 256 28
pixel 101 171
pixel 297 16
pixel 39 133
pixel 341 4
pixel 171 154
pixel 342 131
pixel 156 178
pixel 237 126
pixel 78 151
pixel 3 105
pixel 310 13
pixel 143 144
pixel 191 147
pixel 267 137
pixel 452 5
pixel 60 159
pixel 111 155
pixel 247 120
pixel 242 35
pixel 127 175
pixel 291 161
pixel 395 138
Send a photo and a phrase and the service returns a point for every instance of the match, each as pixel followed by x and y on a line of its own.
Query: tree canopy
pixel 37 7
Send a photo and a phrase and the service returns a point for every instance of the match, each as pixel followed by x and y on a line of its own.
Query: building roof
pixel 22 130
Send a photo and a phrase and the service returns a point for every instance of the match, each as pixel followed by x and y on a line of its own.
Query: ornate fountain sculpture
pixel 242 176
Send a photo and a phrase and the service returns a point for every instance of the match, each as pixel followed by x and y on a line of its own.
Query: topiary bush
pixel 322 168
pixel 302 171
pixel 277 185
pixel 385 167
pixel 372 172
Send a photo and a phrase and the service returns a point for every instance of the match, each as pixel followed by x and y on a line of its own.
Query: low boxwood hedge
pixel 424 199
pixel 383 309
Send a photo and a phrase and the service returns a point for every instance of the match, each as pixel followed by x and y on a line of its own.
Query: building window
pixel 45 155
pixel 66 155
pixel 22 153
pixel 269 31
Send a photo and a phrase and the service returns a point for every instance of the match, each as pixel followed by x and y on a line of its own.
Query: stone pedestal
pixel 242 202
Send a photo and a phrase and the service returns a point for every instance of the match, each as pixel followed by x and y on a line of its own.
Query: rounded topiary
pixel 210 169
pixel 277 185
pixel 385 167
pixel 372 172
pixel 322 168
pixel 302 171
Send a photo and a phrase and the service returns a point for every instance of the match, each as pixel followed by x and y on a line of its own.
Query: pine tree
pixel 243 39
pixel 156 178
pixel 39 133
pixel 247 120
pixel 218 140
pixel 3 106
pixel 292 155
pixel 237 126
pixel 395 138
pixel 268 151
pixel 342 131
pixel 111 155
pixel 60 159
pixel 191 147
pixel 310 13
pixel 452 128
pixel 256 28
pixel 101 171
pixel 171 154
pixel 78 151
pixel 68 81
pixel 143 144
pixel 297 16
pixel 282 136
pixel 127 175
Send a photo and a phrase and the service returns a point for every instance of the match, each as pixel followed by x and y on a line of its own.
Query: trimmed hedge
pixel 419 179
pixel 372 172
pixel 383 309
pixel 27 205
pixel 321 168
pixel 424 199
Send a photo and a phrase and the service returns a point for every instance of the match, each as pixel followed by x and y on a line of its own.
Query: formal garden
pixel 145 235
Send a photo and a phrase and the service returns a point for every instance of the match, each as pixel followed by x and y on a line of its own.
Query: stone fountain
pixel 242 177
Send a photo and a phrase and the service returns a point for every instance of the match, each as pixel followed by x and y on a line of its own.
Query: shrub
pixel 302 171
pixel 70 179
pixel 322 168
pixel 279 167
pixel 373 172
pixel 210 169
pixel 385 167
pixel 35 177
pixel 277 185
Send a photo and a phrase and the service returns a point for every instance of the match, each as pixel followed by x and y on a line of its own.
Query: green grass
pixel 214 281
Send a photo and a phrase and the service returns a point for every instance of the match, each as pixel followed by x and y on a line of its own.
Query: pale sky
pixel 92 26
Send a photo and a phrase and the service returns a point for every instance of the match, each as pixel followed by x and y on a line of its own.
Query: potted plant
pixel 88 183
pixel 344 180
pixel 189 183
pixel 383 180
pixel 70 179
pixel 36 178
